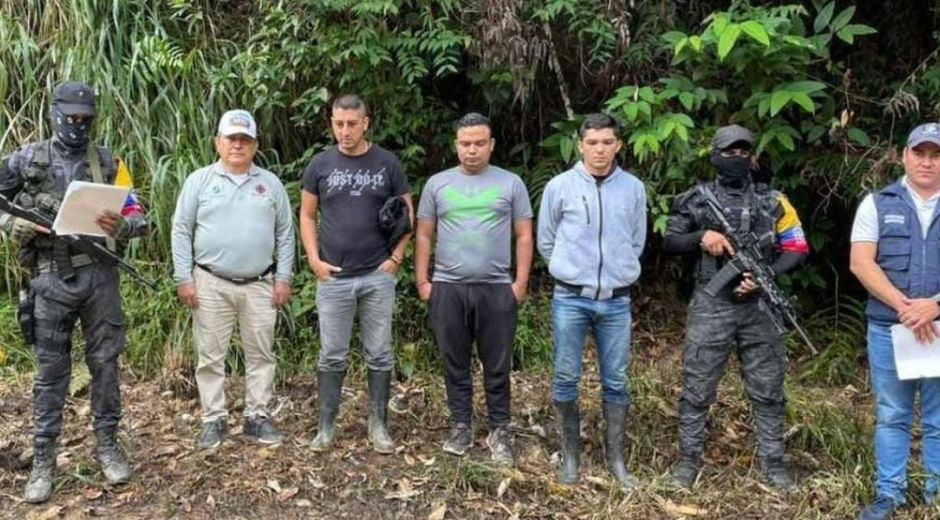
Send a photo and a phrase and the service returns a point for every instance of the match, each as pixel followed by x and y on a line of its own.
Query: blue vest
pixel 910 261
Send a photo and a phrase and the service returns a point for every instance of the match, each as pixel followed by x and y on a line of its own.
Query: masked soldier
pixel 68 285
pixel 733 314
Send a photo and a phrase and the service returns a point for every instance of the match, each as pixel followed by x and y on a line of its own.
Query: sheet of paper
pixel 915 360
pixel 82 203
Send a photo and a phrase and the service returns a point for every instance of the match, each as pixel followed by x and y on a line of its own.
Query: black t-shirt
pixel 351 192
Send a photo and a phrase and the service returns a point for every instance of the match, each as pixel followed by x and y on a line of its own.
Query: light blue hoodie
pixel 591 235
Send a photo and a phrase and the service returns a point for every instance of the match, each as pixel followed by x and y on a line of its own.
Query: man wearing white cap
pixel 233 257
pixel 894 255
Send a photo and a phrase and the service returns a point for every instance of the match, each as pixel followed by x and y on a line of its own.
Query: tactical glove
pixel 21 230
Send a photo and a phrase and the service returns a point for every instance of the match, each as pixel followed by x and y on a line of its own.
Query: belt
pixel 48 265
pixel 239 281
pixel 618 292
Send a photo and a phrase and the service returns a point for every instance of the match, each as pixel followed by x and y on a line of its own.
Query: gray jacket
pixel 591 235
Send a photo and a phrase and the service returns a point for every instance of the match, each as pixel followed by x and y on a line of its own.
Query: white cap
pixel 238 122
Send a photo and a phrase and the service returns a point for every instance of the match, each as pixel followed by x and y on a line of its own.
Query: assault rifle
pixel 749 258
pixel 77 242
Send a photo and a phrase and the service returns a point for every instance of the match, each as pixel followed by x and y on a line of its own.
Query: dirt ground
pixel 242 480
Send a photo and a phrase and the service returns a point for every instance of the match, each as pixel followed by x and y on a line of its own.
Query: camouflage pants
pixel 93 297
pixel 714 324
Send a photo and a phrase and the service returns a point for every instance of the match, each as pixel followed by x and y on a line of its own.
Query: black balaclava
pixel 73 99
pixel 72 135
pixel 733 172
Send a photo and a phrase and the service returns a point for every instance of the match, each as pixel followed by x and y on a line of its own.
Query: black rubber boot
pixel 615 416
pixel 569 432
pixel 330 387
pixel 379 385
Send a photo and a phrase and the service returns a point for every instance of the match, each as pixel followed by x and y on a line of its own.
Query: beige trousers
pixel 221 305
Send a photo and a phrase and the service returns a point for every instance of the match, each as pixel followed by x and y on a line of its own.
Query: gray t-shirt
pixel 474 215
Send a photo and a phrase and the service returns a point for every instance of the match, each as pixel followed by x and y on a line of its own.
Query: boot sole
pixel 321 448
pixel 37 501
pixel 454 451
pixel 630 485
pixel 263 442
pixel 677 484
pixel 209 447
pixel 117 482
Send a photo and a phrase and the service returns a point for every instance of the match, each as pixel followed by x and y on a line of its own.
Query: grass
pixel 166 70
pixel 828 444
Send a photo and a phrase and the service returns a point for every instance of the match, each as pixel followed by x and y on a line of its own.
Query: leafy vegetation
pixel 810 78
pixel 831 88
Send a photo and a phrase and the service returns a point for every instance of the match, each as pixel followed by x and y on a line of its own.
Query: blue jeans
pixel 572 317
pixel 895 406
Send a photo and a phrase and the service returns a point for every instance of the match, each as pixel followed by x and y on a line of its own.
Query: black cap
pixel 74 99
pixel 731 134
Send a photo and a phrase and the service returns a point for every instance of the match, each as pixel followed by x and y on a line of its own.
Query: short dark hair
pixel 599 121
pixel 473 119
pixel 351 102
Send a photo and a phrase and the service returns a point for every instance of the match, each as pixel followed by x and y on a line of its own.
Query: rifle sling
pixel 94 163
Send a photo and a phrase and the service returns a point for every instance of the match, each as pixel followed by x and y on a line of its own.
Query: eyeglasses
pixel 736 152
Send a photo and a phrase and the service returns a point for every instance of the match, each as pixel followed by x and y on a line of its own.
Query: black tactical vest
pixel 45 179
pixel 750 211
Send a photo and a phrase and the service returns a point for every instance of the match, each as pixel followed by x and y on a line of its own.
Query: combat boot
pixel 769 420
pixel 113 464
pixel 684 473
pixel 39 487
pixel 777 476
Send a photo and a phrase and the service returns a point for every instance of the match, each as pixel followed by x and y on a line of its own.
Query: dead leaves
pixel 419 482
pixel 92 493
pixel 406 491
pixel 682 510
pixel 503 486
pixel 438 513
pixel 49 513
pixel 288 494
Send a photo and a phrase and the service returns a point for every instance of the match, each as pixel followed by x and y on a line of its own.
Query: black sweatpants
pixel 485 313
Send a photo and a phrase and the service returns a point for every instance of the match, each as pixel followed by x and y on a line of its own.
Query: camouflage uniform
pixel 716 322
pixel 92 293
pixel 67 286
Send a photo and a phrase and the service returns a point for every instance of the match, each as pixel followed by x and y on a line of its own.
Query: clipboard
pixel 81 205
